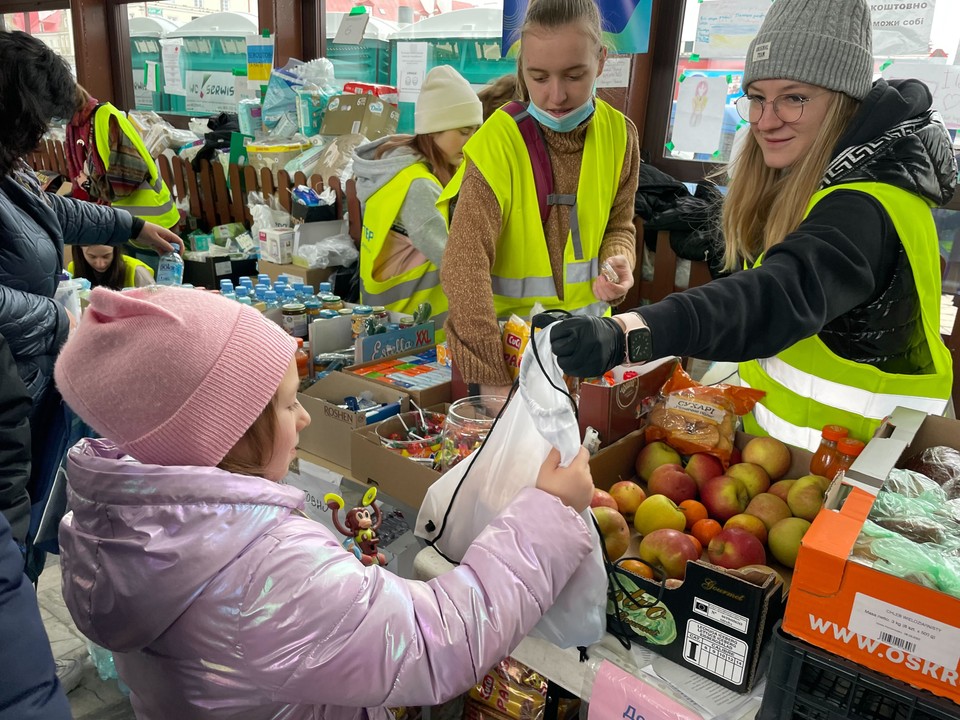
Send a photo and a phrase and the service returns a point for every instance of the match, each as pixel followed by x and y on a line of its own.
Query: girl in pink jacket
pixel 184 556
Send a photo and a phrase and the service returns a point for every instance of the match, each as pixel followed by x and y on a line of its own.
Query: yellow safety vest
pixel 151 201
pixel 521 274
pixel 401 293
pixel 808 386
pixel 130 266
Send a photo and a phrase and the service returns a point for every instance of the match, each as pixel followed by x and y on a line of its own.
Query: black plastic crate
pixel 807 683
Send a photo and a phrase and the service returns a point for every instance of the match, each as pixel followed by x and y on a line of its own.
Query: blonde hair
pixel 763 205
pixel 254 450
pixel 552 14
pixel 497 93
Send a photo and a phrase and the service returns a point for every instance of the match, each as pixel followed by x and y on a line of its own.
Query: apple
pixel 753 477
pixel 770 454
pixel 653 456
pixel 672 481
pixel 614 531
pixel 733 548
pixel 823 482
pixel 601 498
pixel 784 539
pixel 724 497
pixel 702 467
pixel 670 550
pixel 806 497
pixel 751 524
pixel 628 496
pixel 769 508
pixel 781 488
pixel 656 512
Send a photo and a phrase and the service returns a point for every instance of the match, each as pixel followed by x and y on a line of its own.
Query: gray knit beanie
pixel 827 43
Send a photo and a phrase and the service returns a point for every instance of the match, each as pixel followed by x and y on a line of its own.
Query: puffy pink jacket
pixel 219 600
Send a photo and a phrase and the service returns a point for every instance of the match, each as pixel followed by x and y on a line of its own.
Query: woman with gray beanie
pixel 828 213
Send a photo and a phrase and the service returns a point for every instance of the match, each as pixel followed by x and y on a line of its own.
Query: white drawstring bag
pixel 537 418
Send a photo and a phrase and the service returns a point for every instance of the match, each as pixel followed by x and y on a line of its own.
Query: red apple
pixel 769 508
pixel 601 498
pixel 628 496
pixel 670 550
pixel 653 456
pixel 770 454
pixel 751 524
pixel 724 497
pixel 614 531
pixel 733 548
pixel 781 488
pixel 672 481
pixel 702 467
pixel 753 477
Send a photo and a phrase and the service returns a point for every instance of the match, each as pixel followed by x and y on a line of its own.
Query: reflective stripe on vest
pixel 808 386
pixel 401 293
pixel 151 201
pixel 521 274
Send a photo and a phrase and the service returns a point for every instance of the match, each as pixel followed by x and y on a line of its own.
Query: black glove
pixel 588 346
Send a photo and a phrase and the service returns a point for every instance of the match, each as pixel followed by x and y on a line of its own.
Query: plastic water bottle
pixel 298 287
pixel 243 292
pixel 170 267
pixel 325 289
pixel 272 302
pixel 260 291
pixel 226 286
pixel 289 295
pixel 264 279
pixel 247 282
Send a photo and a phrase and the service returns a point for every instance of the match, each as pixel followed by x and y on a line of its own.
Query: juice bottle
pixel 847 451
pixel 824 460
pixel 303 360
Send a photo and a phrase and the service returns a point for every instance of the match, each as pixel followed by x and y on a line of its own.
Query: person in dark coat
pixel 14 446
pixel 36 85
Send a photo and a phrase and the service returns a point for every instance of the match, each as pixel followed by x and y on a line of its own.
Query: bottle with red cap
pixel 824 460
pixel 848 450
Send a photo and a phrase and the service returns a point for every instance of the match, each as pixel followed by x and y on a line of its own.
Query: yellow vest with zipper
pixel 521 274
pixel 808 386
pixel 151 201
pixel 130 266
pixel 400 293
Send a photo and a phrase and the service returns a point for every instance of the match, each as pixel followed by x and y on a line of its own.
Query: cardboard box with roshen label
pixel 881 620
pixel 366 115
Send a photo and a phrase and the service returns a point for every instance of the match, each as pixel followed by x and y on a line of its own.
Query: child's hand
pixel 573 485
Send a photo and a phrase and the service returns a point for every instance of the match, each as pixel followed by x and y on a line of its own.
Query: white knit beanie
pixel 446 102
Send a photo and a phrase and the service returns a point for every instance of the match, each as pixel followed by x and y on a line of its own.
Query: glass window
pixel 183 54
pixel 703 120
pixel 53 27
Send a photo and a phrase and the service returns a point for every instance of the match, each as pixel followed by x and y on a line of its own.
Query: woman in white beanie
pixel 399 179
pixel 545 196
pixel 829 206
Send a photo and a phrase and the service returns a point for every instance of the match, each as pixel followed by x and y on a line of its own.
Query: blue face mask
pixel 562 124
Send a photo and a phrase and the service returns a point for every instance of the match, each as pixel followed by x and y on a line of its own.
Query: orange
pixel 705 530
pixel 697 544
pixel 637 568
pixel 693 510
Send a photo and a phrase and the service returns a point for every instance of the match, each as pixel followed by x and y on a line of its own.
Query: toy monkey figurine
pixel 361 528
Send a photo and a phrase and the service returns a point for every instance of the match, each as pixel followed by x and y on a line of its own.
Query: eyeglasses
pixel 789 108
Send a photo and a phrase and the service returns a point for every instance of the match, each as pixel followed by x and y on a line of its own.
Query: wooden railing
pixel 217 197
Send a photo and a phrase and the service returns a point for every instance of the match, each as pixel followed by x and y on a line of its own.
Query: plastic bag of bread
pixel 694 418
pixel 942 465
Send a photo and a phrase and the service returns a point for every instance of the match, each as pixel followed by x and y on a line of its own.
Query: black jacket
pixel 33 229
pixel 14 445
pixel 844 255
pixel 29 689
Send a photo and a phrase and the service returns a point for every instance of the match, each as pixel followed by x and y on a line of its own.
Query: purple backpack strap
pixel 537 149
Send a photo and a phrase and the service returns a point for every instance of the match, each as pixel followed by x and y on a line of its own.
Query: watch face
pixel 639 345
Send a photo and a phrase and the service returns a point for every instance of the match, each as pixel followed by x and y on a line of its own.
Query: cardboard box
pixel 311 276
pixel 399 477
pixel 364 114
pixel 716 621
pixel 382 372
pixel 328 435
pixel 614 411
pixel 209 272
pixel 882 621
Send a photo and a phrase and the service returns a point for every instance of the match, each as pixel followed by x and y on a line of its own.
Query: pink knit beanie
pixel 173 376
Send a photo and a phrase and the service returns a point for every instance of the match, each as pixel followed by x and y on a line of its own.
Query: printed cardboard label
pixel 715 651
pixel 908 631
pixel 721 615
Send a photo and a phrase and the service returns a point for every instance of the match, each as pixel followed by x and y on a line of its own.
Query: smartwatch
pixel 639 345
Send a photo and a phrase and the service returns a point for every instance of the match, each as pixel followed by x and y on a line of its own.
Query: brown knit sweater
pixel 473 333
